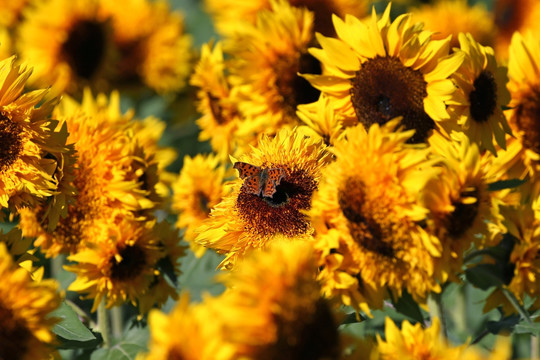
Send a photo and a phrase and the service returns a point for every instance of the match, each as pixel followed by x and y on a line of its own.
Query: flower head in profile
pixel 220 121
pixel 248 219
pixel 367 217
pixel 481 94
pixel 31 144
pixel 198 189
pixel 25 309
pixel 378 69
pixel 524 87
pixel 273 307
pixel 459 202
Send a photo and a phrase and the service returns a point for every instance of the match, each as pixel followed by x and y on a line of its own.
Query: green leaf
pixel 408 307
pixel 71 332
pixel 485 276
pixel 525 328
pixel 121 351
pixel 506 184
pixel 353 318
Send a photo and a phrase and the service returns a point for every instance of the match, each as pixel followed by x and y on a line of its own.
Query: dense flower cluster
pixel 361 160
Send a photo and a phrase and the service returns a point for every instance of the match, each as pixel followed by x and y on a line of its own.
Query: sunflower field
pixel 269 179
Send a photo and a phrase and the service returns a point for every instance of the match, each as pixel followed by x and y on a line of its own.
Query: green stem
pixel 117 321
pixel 436 309
pixel 82 313
pixel 516 305
pixel 534 347
pixel 56 266
pixel 103 324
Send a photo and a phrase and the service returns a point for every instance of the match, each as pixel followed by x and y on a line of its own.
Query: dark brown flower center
pixel 483 98
pixel 84 48
pixel 14 335
pixel 364 222
pixel 509 15
pixel 527 119
pixel 306 331
pixel 384 88
pixel 464 215
pixel 131 265
pixel 294 89
pixel 10 142
pixel 203 202
pixel 283 212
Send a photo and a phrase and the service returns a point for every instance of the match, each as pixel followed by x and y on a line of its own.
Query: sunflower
pixel 198 189
pixel 151 42
pixel 121 265
pixel 246 220
pixel 188 332
pixel 459 203
pixel 511 16
pixel 267 57
pixel 66 43
pixel 522 221
pixel 28 140
pixel 113 173
pixel 523 70
pixel 273 308
pixel 25 308
pixel 477 106
pixel 414 342
pixel 451 17
pixel 221 121
pixel 368 218
pixel 227 13
pixel 377 70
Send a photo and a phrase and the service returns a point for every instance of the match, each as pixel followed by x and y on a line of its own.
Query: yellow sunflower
pixel 113 173
pixel 459 203
pixel 267 57
pixel 227 13
pixel 198 189
pixel 511 16
pixel 151 43
pixel 524 86
pixel 522 221
pixel 188 332
pixel 29 141
pixel 376 70
pixel 477 104
pixel 273 308
pixel 25 307
pixel 451 17
pixel 121 265
pixel 414 342
pixel 247 219
pixel 220 121
pixel 66 43
pixel 368 217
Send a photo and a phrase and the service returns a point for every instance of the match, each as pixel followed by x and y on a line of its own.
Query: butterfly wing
pixel 252 184
pixel 246 170
pixel 272 179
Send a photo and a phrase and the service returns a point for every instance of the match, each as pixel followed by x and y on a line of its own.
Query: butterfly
pixel 259 180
